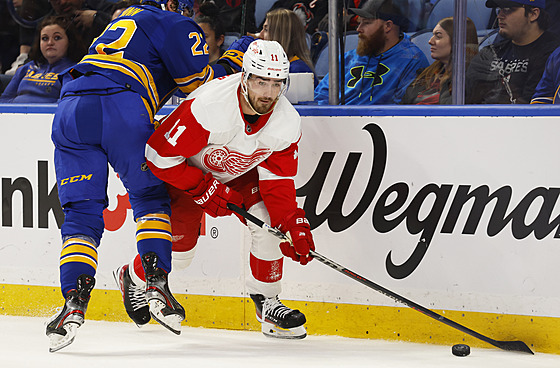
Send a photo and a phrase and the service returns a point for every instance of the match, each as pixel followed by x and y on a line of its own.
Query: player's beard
pixel 262 106
pixel 372 45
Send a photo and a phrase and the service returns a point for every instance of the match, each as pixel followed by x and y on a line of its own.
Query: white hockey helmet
pixel 266 59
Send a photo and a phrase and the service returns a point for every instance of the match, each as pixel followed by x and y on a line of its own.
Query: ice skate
pixel 164 308
pixel 277 320
pixel 134 296
pixel 61 328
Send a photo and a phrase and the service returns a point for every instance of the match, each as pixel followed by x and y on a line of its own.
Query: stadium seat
pixel 322 64
pixel 489 39
pixel 421 39
pixel 230 37
pixel 476 10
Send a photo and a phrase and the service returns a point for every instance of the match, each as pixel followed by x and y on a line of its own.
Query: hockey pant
pixel 265 258
pixel 88 131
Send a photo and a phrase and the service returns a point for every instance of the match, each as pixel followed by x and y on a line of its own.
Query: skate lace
pixel 274 307
pixel 137 296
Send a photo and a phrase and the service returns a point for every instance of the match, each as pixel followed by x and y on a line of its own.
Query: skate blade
pixel 172 321
pixel 58 341
pixel 271 330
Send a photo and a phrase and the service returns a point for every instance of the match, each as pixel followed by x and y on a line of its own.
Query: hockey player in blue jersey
pixel 105 116
pixel 548 89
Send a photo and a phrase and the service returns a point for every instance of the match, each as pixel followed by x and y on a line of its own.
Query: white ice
pixel 23 343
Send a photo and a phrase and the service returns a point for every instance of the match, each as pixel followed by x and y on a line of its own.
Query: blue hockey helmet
pixel 185 5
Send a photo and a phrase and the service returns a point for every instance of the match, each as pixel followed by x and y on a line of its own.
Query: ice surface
pixel 23 343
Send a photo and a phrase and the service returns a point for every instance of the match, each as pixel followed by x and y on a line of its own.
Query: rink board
pixel 481 190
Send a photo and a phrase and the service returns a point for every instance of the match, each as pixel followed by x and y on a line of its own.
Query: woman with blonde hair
pixel 286 28
pixel 433 84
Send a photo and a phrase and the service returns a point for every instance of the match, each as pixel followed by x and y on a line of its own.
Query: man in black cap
pixel 509 70
pixel 380 69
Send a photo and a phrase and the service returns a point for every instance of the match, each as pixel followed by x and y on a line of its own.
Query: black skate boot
pixel 163 306
pixel 278 320
pixel 134 296
pixel 61 328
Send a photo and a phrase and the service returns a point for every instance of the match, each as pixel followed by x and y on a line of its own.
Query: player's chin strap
pixel 519 346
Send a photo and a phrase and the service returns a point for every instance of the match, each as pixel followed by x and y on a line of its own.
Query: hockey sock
pixel 78 256
pixel 153 234
pixel 266 271
pixel 137 270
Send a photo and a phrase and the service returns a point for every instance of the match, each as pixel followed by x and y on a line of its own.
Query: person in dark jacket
pixel 507 72
pixel 433 84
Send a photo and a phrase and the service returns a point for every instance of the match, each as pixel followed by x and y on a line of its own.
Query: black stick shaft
pixel 519 346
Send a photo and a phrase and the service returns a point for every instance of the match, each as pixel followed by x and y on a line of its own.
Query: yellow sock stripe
pixel 154 226
pixel 153 235
pixel 80 259
pixel 78 250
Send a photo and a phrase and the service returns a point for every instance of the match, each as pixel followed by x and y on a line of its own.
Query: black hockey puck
pixel 461 350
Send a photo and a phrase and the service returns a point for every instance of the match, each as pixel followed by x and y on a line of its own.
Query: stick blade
pixel 519 346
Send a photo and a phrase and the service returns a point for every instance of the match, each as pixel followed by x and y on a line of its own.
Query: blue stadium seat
pixel 421 39
pixel 322 64
pixel 230 37
pixel 476 10
pixel 489 39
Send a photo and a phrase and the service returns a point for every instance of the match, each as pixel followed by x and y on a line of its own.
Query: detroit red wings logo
pixel 234 163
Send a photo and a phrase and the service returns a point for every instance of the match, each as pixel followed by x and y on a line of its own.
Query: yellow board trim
pixel 541 334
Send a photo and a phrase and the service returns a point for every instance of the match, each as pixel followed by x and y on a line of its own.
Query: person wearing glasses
pixel 385 61
pixel 508 71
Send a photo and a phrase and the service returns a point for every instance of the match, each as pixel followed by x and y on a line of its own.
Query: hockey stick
pixel 519 346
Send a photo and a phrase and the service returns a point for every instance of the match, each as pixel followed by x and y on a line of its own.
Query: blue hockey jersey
pixel 547 91
pixel 152 56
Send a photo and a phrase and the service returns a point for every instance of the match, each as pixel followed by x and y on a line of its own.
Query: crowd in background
pixel 507 49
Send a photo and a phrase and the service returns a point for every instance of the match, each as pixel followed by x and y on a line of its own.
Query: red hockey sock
pixel 138 269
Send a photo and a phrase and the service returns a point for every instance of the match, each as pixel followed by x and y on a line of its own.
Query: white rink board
pixel 478 272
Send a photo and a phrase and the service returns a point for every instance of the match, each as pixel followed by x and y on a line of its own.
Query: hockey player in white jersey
pixel 234 140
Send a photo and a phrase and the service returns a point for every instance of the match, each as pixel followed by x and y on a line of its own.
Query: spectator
pixel 380 69
pixel 309 11
pixel 286 28
pixel 208 18
pixel 548 89
pixel 90 16
pixel 120 6
pixel 186 8
pixel 9 39
pixel 433 85
pixel 237 15
pixel 508 71
pixel 27 14
pixel 57 47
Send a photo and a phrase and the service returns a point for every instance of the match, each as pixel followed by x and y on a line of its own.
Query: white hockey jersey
pixel 208 133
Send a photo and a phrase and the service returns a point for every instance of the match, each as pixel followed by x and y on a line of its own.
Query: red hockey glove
pixel 298 230
pixel 214 196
